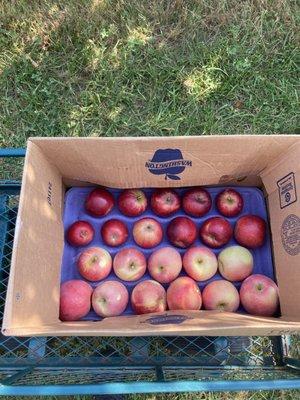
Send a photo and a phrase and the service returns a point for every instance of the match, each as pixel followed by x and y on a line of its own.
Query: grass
pixel 260 395
pixel 113 68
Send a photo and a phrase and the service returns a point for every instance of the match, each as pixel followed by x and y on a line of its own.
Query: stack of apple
pixel 171 275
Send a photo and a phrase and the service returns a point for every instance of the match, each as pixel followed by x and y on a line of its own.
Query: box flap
pixel 282 182
pixel 37 247
pixel 187 323
pixel 162 161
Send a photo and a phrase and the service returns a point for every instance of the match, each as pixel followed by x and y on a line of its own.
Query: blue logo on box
pixel 167 319
pixel 168 162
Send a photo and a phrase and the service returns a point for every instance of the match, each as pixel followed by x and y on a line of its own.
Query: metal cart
pixel 109 365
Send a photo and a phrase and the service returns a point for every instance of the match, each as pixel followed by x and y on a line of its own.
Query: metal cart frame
pixel 122 365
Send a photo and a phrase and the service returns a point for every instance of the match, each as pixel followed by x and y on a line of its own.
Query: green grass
pixel 112 68
pixel 260 395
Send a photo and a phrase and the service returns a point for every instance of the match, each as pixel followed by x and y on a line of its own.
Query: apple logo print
pixel 168 162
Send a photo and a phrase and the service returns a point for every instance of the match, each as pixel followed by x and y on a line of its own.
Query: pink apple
pixel 129 264
pixel 94 264
pixel 132 202
pixel 184 294
pixel 215 232
pixel 259 295
pixel 147 233
pixel 165 202
pixel 220 295
pixel 196 202
pixel 200 263
pixel 182 232
pixel 80 233
pixel 75 300
pixel 229 203
pixel 148 297
pixel 164 265
pixel 110 299
pixel 99 202
pixel 114 232
pixel 235 263
pixel 250 231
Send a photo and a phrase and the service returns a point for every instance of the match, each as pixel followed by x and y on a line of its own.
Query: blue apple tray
pixel 254 203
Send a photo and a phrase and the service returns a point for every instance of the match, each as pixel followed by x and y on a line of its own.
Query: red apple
pixel 229 203
pixel 99 202
pixel 129 264
pixel 196 202
pixel 75 300
pixel 147 233
pixel 110 299
pixel 235 263
pixel 94 264
pixel 250 231
pixel 220 295
pixel 259 295
pixel 184 294
pixel 164 265
pixel 200 263
pixel 148 297
pixel 215 232
pixel 80 233
pixel 165 202
pixel 182 232
pixel 132 202
pixel 114 232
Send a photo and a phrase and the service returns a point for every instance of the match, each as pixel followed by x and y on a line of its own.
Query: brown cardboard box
pixel 270 162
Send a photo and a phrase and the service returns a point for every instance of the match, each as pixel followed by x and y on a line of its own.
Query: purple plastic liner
pixel 74 210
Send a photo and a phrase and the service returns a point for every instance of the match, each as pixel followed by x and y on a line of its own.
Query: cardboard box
pixel 51 165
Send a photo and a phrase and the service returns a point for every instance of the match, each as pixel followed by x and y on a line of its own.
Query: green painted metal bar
pixel 12 152
pixel 14 378
pixel 149 387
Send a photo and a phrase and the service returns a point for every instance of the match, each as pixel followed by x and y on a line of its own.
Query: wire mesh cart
pixel 110 365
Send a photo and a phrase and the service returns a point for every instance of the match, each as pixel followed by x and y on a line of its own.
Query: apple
pixel 196 202
pixel 235 263
pixel 114 232
pixel 75 300
pixel 94 264
pixel 220 295
pixel 99 202
pixel 182 232
pixel 165 202
pixel 250 231
pixel 259 295
pixel 184 294
pixel 148 297
pixel 215 232
pixel 147 233
pixel 164 265
pixel 80 233
pixel 132 202
pixel 129 264
pixel 229 203
pixel 200 263
pixel 110 299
